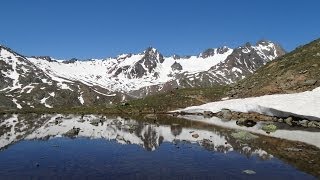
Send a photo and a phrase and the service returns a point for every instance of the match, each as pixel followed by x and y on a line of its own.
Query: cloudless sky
pixel 106 28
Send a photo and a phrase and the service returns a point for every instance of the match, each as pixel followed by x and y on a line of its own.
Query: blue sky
pixel 104 28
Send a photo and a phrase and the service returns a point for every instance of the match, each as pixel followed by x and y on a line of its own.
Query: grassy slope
pixel 180 98
pixel 293 72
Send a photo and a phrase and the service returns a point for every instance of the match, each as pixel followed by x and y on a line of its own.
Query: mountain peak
pixel 264 42
pixel 213 51
pixel 46 58
pixel 151 50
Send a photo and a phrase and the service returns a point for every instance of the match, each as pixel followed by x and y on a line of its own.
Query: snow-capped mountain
pixel 47 82
pixel 24 85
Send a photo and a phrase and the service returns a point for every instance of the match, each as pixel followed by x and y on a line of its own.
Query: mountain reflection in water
pixel 152 134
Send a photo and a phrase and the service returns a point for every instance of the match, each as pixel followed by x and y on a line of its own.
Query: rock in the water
pixel 243 135
pixel 73 132
pixel 245 122
pixel 314 124
pixel 195 135
pixel 269 128
pixel 288 121
pixel 248 171
pixel 303 123
pixel 208 114
pixel 226 114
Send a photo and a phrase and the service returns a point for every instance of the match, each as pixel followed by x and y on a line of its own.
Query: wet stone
pixel 195 135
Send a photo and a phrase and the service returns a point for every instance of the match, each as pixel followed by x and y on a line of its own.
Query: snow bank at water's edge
pixel 304 105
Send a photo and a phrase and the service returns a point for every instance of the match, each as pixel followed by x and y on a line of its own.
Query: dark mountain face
pixel 211 52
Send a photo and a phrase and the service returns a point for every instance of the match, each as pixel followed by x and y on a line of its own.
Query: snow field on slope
pixel 305 104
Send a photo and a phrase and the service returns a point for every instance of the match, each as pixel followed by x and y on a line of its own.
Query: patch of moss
pixel 243 136
pixel 269 128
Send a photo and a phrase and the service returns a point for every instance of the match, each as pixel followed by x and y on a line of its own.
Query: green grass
pixel 286 74
pixel 180 98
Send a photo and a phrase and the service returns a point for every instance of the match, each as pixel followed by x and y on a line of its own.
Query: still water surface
pixel 94 147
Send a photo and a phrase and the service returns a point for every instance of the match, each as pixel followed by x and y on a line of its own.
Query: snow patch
pixel 43 101
pixel 17 104
pixel 81 98
pixel 304 105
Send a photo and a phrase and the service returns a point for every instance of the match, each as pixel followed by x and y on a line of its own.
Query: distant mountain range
pixel 44 82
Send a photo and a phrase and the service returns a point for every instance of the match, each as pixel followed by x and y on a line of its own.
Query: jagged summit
pixel 213 51
pixel 43 80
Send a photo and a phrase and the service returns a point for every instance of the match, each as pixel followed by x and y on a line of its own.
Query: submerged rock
pixel 248 171
pixel 244 135
pixel 208 113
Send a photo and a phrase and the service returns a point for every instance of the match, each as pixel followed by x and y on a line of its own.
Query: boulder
pixel 73 132
pixel 195 135
pixel 208 114
pixel 314 124
pixel 96 122
pixel 303 123
pixel 288 121
pixel 245 122
pixel 310 82
pixel 226 114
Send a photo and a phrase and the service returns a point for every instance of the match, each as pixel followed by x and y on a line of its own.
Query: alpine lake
pixel 55 146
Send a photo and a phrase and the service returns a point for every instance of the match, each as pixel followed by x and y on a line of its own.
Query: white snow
pixel 62 85
pixel 27 88
pixel 17 104
pixel 43 101
pixel 81 98
pixel 115 74
pixel 12 60
pixel 101 72
pixel 305 104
